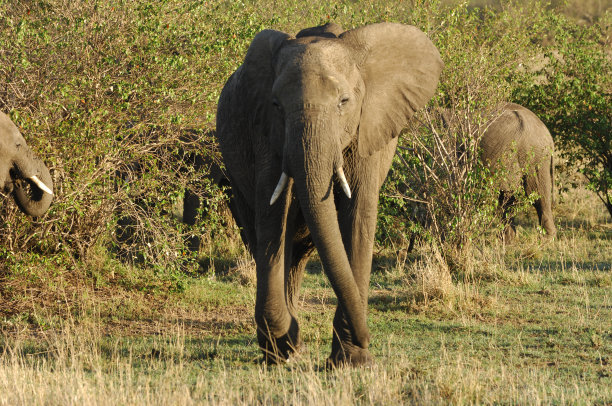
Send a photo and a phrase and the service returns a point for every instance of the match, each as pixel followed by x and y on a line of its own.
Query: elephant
pixel 130 237
pixel 307 127
pixel 519 142
pixel 22 173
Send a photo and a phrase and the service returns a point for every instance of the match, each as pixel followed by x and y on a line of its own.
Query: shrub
pixel 116 98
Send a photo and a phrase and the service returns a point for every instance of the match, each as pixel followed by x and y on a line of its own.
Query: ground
pixel 534 327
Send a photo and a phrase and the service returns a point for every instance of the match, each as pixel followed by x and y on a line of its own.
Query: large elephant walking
pixel 308 127
pixel 519 142
pixel 22 173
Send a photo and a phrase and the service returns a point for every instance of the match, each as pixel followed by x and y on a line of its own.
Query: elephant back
pixel 516 140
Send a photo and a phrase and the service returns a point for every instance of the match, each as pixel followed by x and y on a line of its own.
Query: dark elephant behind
pixel 308 128
pixel 190 157
pixel 22 173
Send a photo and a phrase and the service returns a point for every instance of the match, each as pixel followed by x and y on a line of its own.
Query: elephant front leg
pixel 357 217
pixel 358 225
pixel 277 328
pixel 358 240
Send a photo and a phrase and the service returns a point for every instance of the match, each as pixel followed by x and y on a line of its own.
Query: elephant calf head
pixel 22 173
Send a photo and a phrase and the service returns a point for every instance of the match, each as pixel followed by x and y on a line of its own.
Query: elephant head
pixel 22 173
pixel 318 112
pixel 323 93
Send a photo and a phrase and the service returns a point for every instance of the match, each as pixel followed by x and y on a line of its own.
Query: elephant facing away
pixel 307 128
pixel 22 173
pixel 519 142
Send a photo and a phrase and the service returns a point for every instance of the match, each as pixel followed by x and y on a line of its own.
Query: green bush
pixel 114 96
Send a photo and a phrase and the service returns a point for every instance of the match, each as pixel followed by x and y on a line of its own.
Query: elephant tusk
pixel 282 183
pixel 343 182
pixel 40 184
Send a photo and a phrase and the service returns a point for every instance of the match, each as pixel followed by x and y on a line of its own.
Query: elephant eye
pixel 343 100
pixel 277 105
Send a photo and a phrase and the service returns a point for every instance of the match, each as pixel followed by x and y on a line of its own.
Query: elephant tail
pixel 552 181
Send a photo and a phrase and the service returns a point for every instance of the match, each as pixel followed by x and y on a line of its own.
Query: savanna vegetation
pixel 110 298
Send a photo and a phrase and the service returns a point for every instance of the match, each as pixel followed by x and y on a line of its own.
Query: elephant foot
pixel 509 234
pixel 277 350
pixel 551 230
pixel 281 351
pixel 349 355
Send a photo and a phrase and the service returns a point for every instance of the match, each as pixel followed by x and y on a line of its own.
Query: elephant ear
pixel 329 30
pixel 400 67
pixel 256 75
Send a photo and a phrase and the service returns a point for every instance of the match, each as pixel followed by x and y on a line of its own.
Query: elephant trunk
pixel 33 188
pixel 312 163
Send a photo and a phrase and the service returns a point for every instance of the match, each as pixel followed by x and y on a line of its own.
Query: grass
pixel 535 330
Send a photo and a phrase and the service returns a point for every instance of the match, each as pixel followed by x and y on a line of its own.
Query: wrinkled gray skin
pixel 307 106
pixel 520 142
pixel 17 165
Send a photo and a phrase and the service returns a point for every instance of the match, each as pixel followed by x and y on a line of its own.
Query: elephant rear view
pixel 22 173
pixel 308 128
pixel 519 142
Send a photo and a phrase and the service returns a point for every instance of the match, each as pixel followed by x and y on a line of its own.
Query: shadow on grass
pixel 140 351
pixel 602 230
pixel 538 265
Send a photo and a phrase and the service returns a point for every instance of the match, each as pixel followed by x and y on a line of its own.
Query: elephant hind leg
pixel 545 217
pixel 191 204
pixel 243 215
pixel 506 201
pixel 542 185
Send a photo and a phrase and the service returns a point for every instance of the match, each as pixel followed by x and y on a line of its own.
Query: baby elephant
pixel 22 173
pixel 520 143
